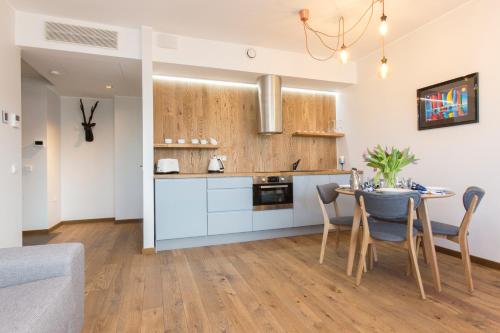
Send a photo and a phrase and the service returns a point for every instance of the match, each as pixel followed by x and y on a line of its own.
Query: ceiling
pixel 84 75
pixel 266 23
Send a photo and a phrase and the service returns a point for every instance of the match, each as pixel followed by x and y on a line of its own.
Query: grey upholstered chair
pixel 327 194
pixel 391 220
pixel 471 199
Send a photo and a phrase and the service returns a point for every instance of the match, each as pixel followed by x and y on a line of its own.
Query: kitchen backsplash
pixel 229 114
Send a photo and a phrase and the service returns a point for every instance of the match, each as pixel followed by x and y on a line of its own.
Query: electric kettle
pixel 215 165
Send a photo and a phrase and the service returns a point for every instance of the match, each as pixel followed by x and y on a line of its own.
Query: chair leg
pixel 362 260
pixel 323 243
pixel 417 248
pixel 419 240
pixel 464 250
pixel 337 239
pixel 360 242
pixel 370 257
pixel 408 266
pixel 375 255
pixel 416 271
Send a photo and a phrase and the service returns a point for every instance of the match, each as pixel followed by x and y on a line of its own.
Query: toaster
pixel 167 165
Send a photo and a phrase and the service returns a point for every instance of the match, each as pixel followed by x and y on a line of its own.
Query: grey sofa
pixel 41 288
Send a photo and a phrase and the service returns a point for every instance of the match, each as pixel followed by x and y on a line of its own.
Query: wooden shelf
pixel 185 146
pixel 319 134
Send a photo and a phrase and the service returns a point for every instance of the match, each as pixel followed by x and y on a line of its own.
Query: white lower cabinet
pixel 229 222
pixel 194 207
pixel 306 209
pixel 272 219
pixel 180 208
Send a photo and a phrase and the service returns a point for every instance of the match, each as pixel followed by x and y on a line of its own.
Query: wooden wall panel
pixel 229 114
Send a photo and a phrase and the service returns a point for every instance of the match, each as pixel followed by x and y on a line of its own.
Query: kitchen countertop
pixel 252 174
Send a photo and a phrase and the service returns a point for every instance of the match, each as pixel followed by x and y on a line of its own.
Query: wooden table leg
pixel 430 250
pixel 354 238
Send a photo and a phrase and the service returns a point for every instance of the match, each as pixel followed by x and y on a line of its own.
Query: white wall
pixel 87 168
pixel 205 53
pixel 148 226
pixel 41 111
pixel 10 138
pixel 34 115
pixel 384 111
pixel 128 157
pixel 53 157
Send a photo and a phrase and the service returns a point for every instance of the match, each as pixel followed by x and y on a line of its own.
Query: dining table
pixel 423 216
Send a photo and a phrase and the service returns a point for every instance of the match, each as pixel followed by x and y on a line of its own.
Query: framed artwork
pixel 449 103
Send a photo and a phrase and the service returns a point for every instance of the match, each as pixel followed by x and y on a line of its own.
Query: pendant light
pixel 383 21
pixel 344 55
pixel 337 44
pixel 384 67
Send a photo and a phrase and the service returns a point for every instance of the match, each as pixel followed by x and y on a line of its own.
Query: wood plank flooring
pixel 268 286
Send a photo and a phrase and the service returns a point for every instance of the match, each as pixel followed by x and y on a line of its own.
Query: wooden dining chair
pixel 471 199
pixel 390 219
pixel 327 195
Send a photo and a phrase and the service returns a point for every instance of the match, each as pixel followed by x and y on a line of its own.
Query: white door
pixel 128 158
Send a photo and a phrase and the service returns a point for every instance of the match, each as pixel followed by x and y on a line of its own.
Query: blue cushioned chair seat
pixel 341 220
pixel 390 232
pixel 439 228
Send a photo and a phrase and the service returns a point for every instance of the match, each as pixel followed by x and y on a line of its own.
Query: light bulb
pixel 383 25
pixel 344 55
pixel 384 68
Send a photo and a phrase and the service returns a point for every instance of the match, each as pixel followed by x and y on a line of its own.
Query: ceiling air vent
pixel 76 34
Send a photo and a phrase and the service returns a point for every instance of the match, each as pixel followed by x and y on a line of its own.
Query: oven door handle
pixel 273 186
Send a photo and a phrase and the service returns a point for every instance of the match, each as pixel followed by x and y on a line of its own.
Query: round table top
pixel 348 191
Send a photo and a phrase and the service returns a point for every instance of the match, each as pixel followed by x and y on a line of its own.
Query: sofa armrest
pixel 32 263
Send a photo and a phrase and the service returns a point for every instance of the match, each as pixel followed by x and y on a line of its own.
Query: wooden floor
pixel 267 286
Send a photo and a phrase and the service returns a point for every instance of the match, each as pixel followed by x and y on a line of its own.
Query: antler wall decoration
pixel 87 125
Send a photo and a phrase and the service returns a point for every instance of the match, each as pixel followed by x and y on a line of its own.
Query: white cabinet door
pixel 306 209
pixel 272 219
pixel 181 208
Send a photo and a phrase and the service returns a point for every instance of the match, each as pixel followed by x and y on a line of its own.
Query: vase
pixel 390 180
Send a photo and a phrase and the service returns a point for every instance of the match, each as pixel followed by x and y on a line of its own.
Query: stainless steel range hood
pixel 270 119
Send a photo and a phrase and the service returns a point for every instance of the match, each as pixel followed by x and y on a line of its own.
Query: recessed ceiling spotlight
pixel 55 72
pixel 108 86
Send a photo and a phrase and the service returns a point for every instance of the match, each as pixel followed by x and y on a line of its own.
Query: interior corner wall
pixel 53 157
pixel 87 168
pixel 10 138
pixel 34 158
pixel 384 112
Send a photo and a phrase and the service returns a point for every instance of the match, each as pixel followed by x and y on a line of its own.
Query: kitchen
pixel 240 162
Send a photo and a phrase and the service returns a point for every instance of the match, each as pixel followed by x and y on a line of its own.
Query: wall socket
pixel 5 117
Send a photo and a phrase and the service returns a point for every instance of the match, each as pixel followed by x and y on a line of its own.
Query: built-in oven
pixel 272 192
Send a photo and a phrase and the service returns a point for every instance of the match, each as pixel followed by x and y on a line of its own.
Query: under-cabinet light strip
pixel 237 84
pixel 309 91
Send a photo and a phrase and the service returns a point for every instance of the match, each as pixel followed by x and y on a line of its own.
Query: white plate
pixel 394 190
pixel 436 189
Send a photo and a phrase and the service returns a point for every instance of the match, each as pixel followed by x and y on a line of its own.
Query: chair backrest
pixel 469 194
pixel 327 192
pixel 388 206
pixel 468 198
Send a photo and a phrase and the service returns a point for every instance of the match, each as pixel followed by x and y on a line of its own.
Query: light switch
pixel 13 169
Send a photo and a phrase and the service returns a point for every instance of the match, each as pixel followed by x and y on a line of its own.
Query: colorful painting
pixel 449 103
